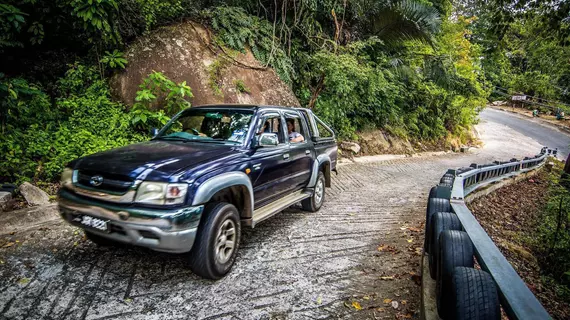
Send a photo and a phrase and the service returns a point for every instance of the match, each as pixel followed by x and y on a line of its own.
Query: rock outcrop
pixel 33 195
pixel 185 52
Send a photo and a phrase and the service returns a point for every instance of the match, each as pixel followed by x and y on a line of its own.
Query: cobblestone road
pixel 360 251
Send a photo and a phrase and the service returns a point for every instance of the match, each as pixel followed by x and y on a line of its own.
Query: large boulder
pixel 33 195
pixel 185 52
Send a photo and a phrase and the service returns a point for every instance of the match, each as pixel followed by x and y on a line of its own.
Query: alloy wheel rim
pixel 225 241
pixel 319 192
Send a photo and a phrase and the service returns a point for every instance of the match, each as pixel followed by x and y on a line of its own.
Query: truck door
pixel 301 153
pixel 269 164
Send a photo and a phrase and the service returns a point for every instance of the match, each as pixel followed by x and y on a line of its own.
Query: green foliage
pixel 41 136
pixel 162 11
pixel 98 17
pixel 238 30
pixel 241 87
pixel 11 21
pixel 159 92
pixel 215 73
pixel 115 59
pixel 524 50
pixel 403 20
pixel 552 238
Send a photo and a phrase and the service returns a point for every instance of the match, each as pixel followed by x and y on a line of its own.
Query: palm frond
pixel 397 21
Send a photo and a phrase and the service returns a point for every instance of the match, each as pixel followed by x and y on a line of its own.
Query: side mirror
pixel 154 132
pixel 267 140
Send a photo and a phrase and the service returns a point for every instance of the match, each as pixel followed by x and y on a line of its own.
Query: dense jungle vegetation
pixel 416 68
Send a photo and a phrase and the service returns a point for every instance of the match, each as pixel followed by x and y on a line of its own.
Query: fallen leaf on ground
pixel 380 309
pixel 75 244
pixel 24 281
pixel 403 228
pixel 415 229
pixel 387 300
pixel 356 305
pixel 9 244
pixel 319 300
pixel 410 240
pixel 404 302
pixel 366 298
pixel 395 304
pixel 346 304
pixel 387 278
pixel 128 300
pixel 387 248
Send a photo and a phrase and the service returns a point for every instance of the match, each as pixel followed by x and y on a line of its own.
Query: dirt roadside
pixel 510 216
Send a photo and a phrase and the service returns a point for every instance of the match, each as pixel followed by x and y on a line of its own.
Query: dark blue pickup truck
pixel 210 171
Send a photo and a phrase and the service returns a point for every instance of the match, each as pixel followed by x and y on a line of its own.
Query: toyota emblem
pixel 96 181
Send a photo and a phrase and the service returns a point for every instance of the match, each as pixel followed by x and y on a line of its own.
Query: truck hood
pixel 153 160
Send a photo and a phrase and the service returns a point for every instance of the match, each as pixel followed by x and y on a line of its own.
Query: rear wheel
pixel 217 241
pixel 315 202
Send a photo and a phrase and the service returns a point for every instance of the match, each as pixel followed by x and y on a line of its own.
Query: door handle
pixel 286 156
pixel 307 151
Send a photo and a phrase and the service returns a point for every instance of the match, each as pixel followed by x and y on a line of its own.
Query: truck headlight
pixel 66 177
pixel 161 193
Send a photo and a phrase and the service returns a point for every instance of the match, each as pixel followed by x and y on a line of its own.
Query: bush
pixel 42 136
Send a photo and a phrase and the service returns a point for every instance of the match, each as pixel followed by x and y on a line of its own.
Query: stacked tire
pixel 462 291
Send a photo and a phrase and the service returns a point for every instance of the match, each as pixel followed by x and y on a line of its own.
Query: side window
pixel 271 124
pixel 295 131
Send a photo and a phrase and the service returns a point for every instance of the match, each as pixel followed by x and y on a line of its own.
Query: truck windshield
pixel 208 125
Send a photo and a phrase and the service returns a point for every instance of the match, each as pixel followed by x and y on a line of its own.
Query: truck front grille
pixel 110 183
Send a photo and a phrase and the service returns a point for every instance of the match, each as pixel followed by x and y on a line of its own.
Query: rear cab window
pixel 296 129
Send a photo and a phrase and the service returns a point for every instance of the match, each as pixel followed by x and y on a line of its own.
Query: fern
pixel 237 30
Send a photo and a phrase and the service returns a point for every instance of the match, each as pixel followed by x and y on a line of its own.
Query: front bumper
pixel 169 230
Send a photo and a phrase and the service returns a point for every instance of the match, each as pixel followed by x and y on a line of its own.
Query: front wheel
pixel 314 203
pixel 217 241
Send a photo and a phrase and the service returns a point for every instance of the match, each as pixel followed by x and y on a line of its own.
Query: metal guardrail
pixel 515 297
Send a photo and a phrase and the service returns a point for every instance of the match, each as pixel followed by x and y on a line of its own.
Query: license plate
pixel 91 222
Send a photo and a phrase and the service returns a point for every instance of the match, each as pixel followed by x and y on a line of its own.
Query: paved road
pixel 360 251
pixel 547 135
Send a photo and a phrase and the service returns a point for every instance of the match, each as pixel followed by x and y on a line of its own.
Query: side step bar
pixel 276 207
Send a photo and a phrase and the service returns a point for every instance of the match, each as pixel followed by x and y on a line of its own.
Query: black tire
pixel 455 250
pixel 432 192
pixel 204 260
pixel 100 241
pixel 440 221
pixel 448 175
pixel 446 180
pixel 313 204
pixel 474 295
pixel 434 205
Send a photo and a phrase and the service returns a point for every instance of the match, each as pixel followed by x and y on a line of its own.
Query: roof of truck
pixel 245 106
